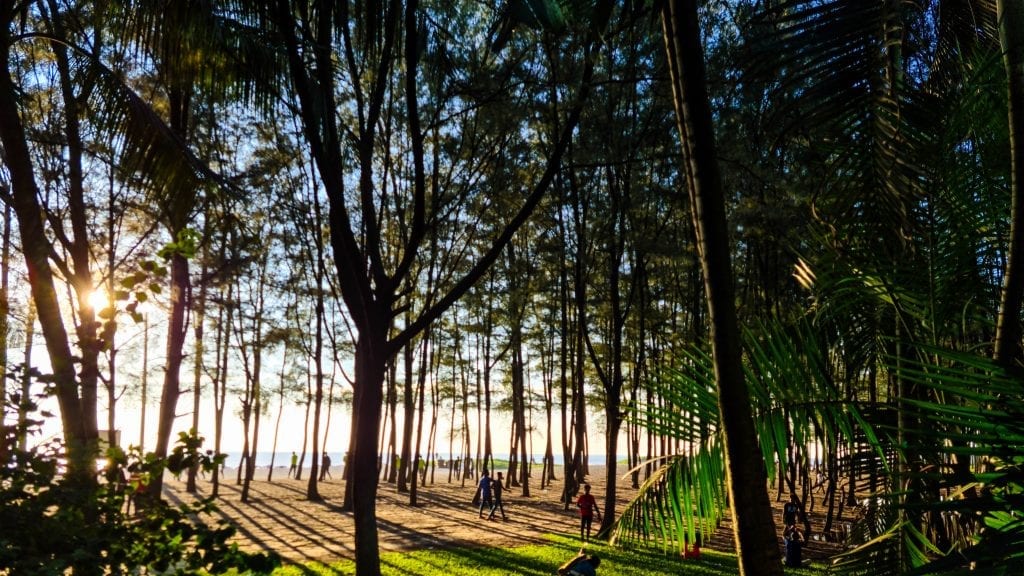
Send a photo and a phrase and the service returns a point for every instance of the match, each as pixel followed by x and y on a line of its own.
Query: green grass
pixel 537 560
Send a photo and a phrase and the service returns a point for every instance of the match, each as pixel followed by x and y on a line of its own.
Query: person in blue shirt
pixel 485 492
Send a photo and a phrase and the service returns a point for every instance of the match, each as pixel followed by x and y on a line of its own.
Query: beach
pixel 279 517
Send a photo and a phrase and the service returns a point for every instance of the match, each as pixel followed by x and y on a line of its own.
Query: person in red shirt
pixel 691 553
pixel 588 508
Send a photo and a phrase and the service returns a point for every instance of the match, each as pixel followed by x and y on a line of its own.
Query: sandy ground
pixel 278 516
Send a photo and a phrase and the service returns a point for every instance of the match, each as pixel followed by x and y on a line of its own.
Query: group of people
pixel 792 536
pixel 325 466
pixel 586 565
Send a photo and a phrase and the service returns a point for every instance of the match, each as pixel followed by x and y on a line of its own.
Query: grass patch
pixel 537 560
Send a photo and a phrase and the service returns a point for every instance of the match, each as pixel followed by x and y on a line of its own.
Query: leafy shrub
pixel 52 525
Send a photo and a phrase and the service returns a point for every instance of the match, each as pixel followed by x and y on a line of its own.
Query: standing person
pixel 497 486
pixel 790 511
pixel 325 470
pixel 484 487
pixel 588 507
pixel 294 468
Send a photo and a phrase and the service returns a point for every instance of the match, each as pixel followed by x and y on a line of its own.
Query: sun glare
pixel 98 299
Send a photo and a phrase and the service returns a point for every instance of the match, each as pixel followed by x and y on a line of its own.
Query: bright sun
pixel 98 299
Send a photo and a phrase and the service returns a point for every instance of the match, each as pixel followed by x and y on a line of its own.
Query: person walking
pixel 325 470
pixel 497 486
pixel 294 468
pixel 484 487
pixel 588 507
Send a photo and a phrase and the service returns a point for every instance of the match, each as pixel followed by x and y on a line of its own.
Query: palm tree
pixel 1008 351
pixel 900 306
pixel 747 481
pixel 148 149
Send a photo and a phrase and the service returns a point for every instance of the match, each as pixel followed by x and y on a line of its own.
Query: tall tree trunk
pixel 252 341
pixel 421 386
pixel 1008 352
pixel 408 417
pixel 144 393
pixel 220 380
pixel 612 378
pixel 312 485
pixel 281 393
pixel 371 363
pixel 79 438
pixel 753 525
pixel 26 376
pixel 5 310
pixel 181 203
pixel 197 371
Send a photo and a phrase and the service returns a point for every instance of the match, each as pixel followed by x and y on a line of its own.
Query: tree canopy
pixel 743 242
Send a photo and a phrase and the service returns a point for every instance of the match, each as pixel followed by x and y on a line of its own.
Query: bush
pixel 53 525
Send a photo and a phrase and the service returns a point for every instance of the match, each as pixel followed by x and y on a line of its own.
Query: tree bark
pixel 176 333
pixel 371 362
pixel 753 525
pixel 80 440
pixel 1008 353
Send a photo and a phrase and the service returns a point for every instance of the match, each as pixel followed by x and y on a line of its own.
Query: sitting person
pixel 794 539
pixel 581 565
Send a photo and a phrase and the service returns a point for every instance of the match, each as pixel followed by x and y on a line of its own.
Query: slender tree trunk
pixel 26 376
pixel 88 342
pixel 197 372
pixel 394 459
pixel 753 525
pixel 176 219
pixel 5 311
pixel 408 420
pixel 312 486
pixel 1008 352
pixel 80 440
pixel 220 386
pixel 144 393
pixel 175 355
pixel 281 393
pixel 421 386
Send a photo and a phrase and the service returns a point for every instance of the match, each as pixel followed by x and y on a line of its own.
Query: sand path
pixel 280 518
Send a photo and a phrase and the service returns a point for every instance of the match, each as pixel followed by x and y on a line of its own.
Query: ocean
pixel 282 459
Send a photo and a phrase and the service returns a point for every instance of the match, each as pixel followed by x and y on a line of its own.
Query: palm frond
pixel 683 500
pixel 796 403
pixel 971 412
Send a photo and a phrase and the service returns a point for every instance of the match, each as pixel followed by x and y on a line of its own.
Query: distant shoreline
pixel 283 459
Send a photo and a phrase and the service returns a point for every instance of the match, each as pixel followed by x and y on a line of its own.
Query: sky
pixel 133 339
